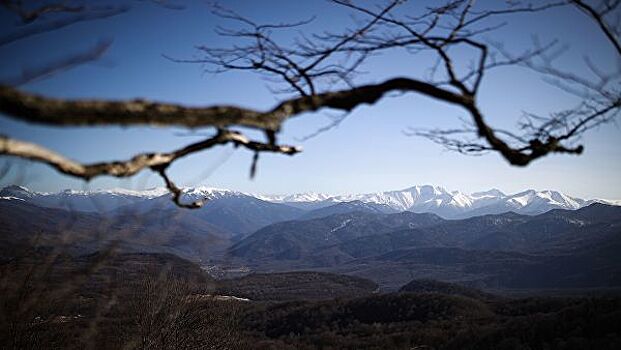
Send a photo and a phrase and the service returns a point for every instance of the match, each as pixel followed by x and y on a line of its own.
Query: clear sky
pixel 368 152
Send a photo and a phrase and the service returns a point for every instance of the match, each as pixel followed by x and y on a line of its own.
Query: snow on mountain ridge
pixel 208 192
pixel 489 193
pixel 455 204
pixel 16 192
pixel 419 199
pixel 11 198
pixel 146 193
pixel 149 193
pixel 297 197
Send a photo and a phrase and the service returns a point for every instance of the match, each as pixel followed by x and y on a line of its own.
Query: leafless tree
pixel 320 71
pixel 38 296
pixel 55 301
pixel 169 312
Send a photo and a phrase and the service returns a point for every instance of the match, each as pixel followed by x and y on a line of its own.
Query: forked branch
pixel 158 162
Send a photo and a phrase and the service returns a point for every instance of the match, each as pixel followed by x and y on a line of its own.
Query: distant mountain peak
pixel 419 199
pixel 16 192
pixel 427 189
pixel 207 191
pixel 296 197
pixel 494 192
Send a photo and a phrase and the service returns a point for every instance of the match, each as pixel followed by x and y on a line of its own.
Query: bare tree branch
pixel 59 112
pixel 598 17
pixel 158 162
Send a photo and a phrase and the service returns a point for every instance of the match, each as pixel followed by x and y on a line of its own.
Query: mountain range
pixel 535 239
pixel 556 249
pixel 448 204
pixel 232 213
pixel 418 199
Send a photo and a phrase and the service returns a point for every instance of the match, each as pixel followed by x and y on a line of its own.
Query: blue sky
pixel 367 152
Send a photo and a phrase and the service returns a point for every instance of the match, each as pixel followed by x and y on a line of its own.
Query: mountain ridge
pixel 418 199
pixel 235 232
pixel 454 204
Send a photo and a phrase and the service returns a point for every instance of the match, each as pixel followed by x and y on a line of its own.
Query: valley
pixel 565 243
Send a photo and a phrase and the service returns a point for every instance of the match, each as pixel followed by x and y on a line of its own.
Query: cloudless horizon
pixel 368 152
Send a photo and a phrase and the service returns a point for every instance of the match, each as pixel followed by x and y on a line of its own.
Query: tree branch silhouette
pixel 157 162
pixel 321 71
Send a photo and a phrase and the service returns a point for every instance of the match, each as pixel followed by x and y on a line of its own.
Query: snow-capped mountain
pixel 230 212
pixel 452 204
pixel 91 201
pixel 16 192
pixel 292 198
pixel 408 199
pixel 208 193
pixel 111 199
pixel 418 199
